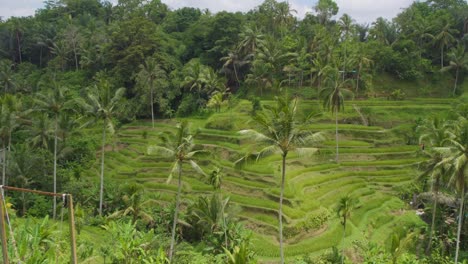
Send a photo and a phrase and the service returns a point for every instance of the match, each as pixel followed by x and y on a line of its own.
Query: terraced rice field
pixel 373 163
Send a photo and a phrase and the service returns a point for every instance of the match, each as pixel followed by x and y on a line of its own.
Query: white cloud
pixel 9 8
pixel 363 11
pixel 367 11
pixel 217 5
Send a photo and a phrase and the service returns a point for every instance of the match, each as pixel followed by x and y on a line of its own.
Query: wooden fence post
pixel 3 229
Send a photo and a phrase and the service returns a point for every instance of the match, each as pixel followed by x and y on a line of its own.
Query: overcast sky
pixel 363 11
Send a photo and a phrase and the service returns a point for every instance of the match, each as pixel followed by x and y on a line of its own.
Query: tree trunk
pixel 176 215
pixel 344 237
pixel 235 73
pixel 456 81
pixel 434 211
pixel 460 221
pixel 40 58
pixel 19 46
pixel 4 162
pixel 357 83
pixel 152 107
pixel 76 57
pixel 55 167
pixel 344 62
pixel 336 134
pixel 442 56
pixel 224 220
pixel 280 214
pixel 101 191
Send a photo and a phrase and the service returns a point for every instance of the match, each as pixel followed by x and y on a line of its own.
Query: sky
pixel 363 11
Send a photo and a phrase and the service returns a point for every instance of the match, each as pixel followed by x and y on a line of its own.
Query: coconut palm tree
pixel 54 102
pixel 251 39
pixel 343 210
pixel 346 25
pixel 458 62
pixel 6 76
pixel 234 60
pixel 281 131
pixel 333 99
pixel 101 105
pixel 134 204
pixel 180 148
pixel 215 179
pixel 149 72
pixel 444 38
pixel 434 132
pixel 458 159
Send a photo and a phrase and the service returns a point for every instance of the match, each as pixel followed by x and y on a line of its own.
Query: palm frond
pixel 161 151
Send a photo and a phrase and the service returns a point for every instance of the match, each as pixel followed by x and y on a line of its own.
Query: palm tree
pixel 346 24
pixel 216 101
pixel 433 131
pixel 234 59
pixel 458 159
pixel 363 63
pixel 458 61
pixel 149 72
pixel 444 38
pixel 260 75
pixel 333 99
pixel 211 81
pixel 343 210
pixel 216 181
pixel 40 131
pixel 54 102
pixel 101 105
pixel 6 76
pixel 10 116
pixel 251 39
pixel 16 27
pixel 281 131
pixel 178 147
pixel 134 204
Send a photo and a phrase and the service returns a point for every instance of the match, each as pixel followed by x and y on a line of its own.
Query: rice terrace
pixel 298 132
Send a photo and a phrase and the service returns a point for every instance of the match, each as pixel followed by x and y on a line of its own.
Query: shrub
pixel 188 106
pixel 256 104
pixel 397 95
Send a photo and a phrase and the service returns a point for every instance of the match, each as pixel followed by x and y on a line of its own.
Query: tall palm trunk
pixel 344 237
pixel 344 62
pixel 224 220
pixel 357 82
pixel 434 211
pixel 76 56
pixel 442 56
pixel 101 191
pixel 460 221
pixel 280 214
pixel 152 107
pixel 456 81
pixel 176 214
pixel 19 46
pixel 4 162
pixel 235 73
pixel 40 58
pixel 336 134
pixel 55 166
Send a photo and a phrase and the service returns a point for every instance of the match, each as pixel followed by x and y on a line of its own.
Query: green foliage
pixel 397 95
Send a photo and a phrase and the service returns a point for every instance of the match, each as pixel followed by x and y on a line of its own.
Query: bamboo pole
pixel 74 258
pixel 71 216
pixel 3 230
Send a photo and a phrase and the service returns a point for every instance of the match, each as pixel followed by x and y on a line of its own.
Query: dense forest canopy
pixel 268 47
pixel 80 75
